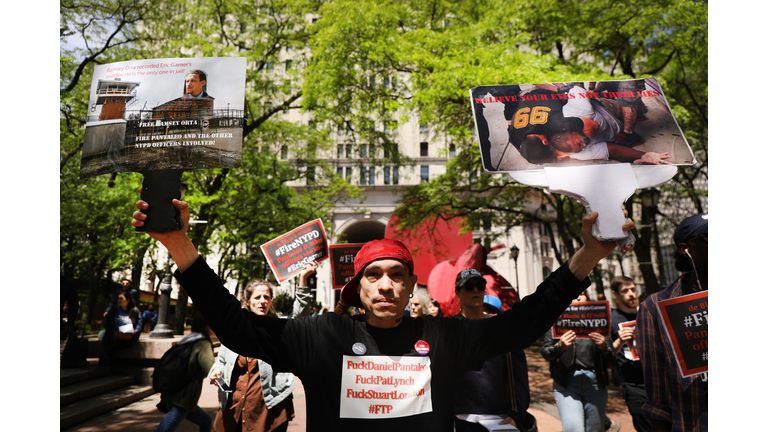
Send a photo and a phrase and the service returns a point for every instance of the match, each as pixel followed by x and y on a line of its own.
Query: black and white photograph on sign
pixel 530 126
pixel 160 114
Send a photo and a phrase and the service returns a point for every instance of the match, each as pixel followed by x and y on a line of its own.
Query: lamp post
pixel 514 252
pixel 650 198
pixel 163 329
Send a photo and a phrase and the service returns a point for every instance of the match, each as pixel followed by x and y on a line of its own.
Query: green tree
pixel 439 50
pixel 243 207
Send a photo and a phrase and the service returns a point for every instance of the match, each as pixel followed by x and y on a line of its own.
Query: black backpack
pixel 172 372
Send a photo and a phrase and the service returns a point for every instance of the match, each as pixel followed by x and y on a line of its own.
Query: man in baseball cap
pixel 675 403
pixel 378 371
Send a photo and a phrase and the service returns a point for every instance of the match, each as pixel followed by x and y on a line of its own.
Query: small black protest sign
pixel 686 322
pixel 343 263
pixel 633 353
pixel 290 252
pixel 584 318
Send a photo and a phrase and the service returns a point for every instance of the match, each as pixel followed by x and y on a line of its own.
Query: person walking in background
pixel 499 391
pixel 257 399
pixel 576 366
pixel 183 403
pixel 675 403
pixel 632 386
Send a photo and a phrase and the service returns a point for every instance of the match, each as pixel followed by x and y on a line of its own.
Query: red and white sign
pixel 630 349
pixel 288 253
pixel 378 387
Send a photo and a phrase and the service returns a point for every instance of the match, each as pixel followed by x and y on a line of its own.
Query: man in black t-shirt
pixel 633 387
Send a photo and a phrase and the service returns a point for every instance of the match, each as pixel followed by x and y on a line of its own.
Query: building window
pixel 424 148
pixel 452 151
pixel 340 172
pixel 423 127
pixel 340 151
pixel 284 152
pixel 348 171
pixel 363 175
pixel 314 20
pixel 288 64
pixel 425 173
pixel 389 129
pixel 546 272
pixel 310 175
pixel 270 66
pixel 371 150
pixel 395 176
pixel 363 151
pixel 371 176
pixel 349 151
pixel 387 172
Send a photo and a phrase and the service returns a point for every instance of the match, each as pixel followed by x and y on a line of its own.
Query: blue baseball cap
pixel 493 303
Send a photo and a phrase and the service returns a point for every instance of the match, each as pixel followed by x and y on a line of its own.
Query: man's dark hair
pixel 200 74
pixel 620 281
pixel 535 152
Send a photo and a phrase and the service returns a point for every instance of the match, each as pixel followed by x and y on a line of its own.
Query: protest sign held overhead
pixel 528 126
pixel 686 321
pixel 584 318
pixel 290 252
pixel 343 263
pixel 164 114
pixel 597 142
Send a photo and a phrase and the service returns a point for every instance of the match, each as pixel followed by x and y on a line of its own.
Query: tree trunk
pixel 642 250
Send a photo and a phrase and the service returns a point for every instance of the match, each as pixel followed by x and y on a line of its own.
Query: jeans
pixel 176 415
pixel 582 403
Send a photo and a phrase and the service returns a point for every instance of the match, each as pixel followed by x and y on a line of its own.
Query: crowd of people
pixel 473 364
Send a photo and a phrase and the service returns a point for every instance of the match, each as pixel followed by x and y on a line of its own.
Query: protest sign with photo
pixel 630 350
pixel 686 321
pixel 290 252
pixel 343 263
pixel 584 318
pixel 528 126
pixel 161 114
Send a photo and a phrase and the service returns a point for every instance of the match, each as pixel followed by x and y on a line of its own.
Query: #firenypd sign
pixel 686 322
pixel 343 263
pixel 161 114
pixel 290 252
pixel 584 318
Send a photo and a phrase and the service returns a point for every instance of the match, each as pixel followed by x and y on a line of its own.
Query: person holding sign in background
pixel 675 403
pixel 632 386
pixel 576 366
pixel 378 371
pixel 255 397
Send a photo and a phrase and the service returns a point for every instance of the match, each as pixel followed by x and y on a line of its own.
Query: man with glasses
pixel 674 403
